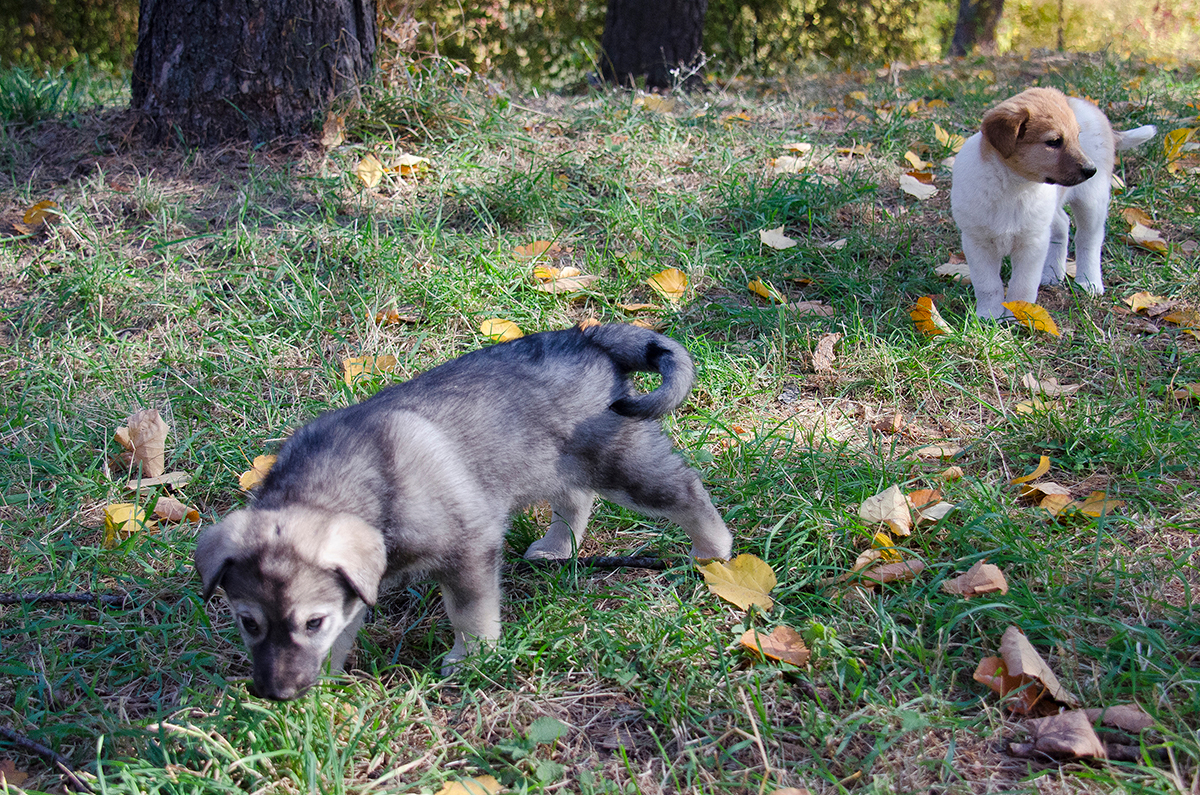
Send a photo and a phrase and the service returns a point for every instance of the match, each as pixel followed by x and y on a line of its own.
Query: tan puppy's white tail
pixel 1128 139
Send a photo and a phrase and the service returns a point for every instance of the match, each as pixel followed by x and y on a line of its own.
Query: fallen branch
pixel 596 562
pixel 112 600
pixel 49 754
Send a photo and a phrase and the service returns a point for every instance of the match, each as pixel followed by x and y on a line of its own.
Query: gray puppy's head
pixel 296 579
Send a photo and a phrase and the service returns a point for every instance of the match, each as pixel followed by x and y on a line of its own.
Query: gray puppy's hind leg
pixel 569 517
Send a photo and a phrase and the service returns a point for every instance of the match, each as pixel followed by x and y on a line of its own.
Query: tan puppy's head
pixel 1037 136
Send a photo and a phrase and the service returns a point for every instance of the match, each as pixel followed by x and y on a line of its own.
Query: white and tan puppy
pixel 1035 152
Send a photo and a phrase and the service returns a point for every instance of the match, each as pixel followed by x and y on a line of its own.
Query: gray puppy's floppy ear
pixel 217 548
pixel 1002 126
pixel 355 549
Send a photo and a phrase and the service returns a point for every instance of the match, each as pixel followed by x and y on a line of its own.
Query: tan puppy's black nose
pixel 1088 171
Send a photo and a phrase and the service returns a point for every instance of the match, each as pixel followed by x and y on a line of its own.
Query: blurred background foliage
pixel 552 44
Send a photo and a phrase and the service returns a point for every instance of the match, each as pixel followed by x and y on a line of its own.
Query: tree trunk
pixel 976 26
pixel 651 39
pixel 208 71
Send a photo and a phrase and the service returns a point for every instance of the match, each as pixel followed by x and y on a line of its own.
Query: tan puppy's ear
pixel 1002 127
pixel 217 548
pixel 355 550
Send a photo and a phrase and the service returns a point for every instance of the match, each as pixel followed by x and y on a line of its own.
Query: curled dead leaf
pixel 775 238
pixel 982 578
pixel 144 437
pixel 357 368
pixel 916 187
pixel 170 509
pixel 1042 468
pixel 928 319
pixel 765 290
pixel 123 520
pixel 823 355
pixel 369 170
pixel 1048 387
pixel 889 507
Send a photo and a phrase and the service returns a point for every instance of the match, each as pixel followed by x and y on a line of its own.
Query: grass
pixel 224 288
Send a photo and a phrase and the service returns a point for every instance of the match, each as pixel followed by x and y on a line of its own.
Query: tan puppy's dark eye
pixel 314 623
pixel 1055 143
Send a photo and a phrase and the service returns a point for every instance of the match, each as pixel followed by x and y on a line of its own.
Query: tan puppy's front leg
pixel 983 260
pixel 1028 261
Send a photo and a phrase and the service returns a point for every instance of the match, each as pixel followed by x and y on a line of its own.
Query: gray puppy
pixel 420 480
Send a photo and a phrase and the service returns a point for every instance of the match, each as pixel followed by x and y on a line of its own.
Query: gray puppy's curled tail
pixel 635 349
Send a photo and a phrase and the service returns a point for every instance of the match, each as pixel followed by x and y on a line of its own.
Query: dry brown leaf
pixel 393 316
pixel 957 269
pixel 1133 215
pixel 499 330
pixel 1067 735
pixel 170 509
pixel 537 248
pixel 1034 406
pixel 937 451
pixel 631 308
pixel 9 775
pixel 982 578
pixel 407 165
pixel 951 474
pixel 746 580
pixel 1021 670
pixel 1038 491
pixel 175 480
pixel 1188 392
pixel 1042 468
pixel 357 368
pixel 928 319
pixel 790 164
pixel 889 507
pixel 811 308
pixel 333 131
pixel 144 437
pixel 823 355
pixel 258 470
pixel 775 238
pixel 1147 238
pixel 951 141
pixel 885 573
pixel 1048 386
pixel 784 644
pixel 1126 717
pixel 1033 316
pixel 566 284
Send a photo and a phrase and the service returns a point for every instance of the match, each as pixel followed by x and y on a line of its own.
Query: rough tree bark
pixel 976 26
pixel 651 39
pixel 208 71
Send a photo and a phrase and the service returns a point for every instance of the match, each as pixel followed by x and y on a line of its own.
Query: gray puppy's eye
pixel 314 623
pixel 250 625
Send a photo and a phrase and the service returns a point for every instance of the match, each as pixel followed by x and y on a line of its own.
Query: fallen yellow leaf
pixel 1142 301
pixel 40 212
pixel 1033 316
pixel 258 470
pixel 538 248
pixel 951 141
pixel 914 186
pixel 121 521
pixel 369 170
pixel 670 284
pixel 916 162
pixel 358 367
pixel 888 553
pixel 746 580
pixel 1097 504
pixel 500 330
pixel 1042 468
pixel 765 290
pixel 928 319
pixel 480 785
pixel 1173 146
pixel 410 165
pixel 1147 238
